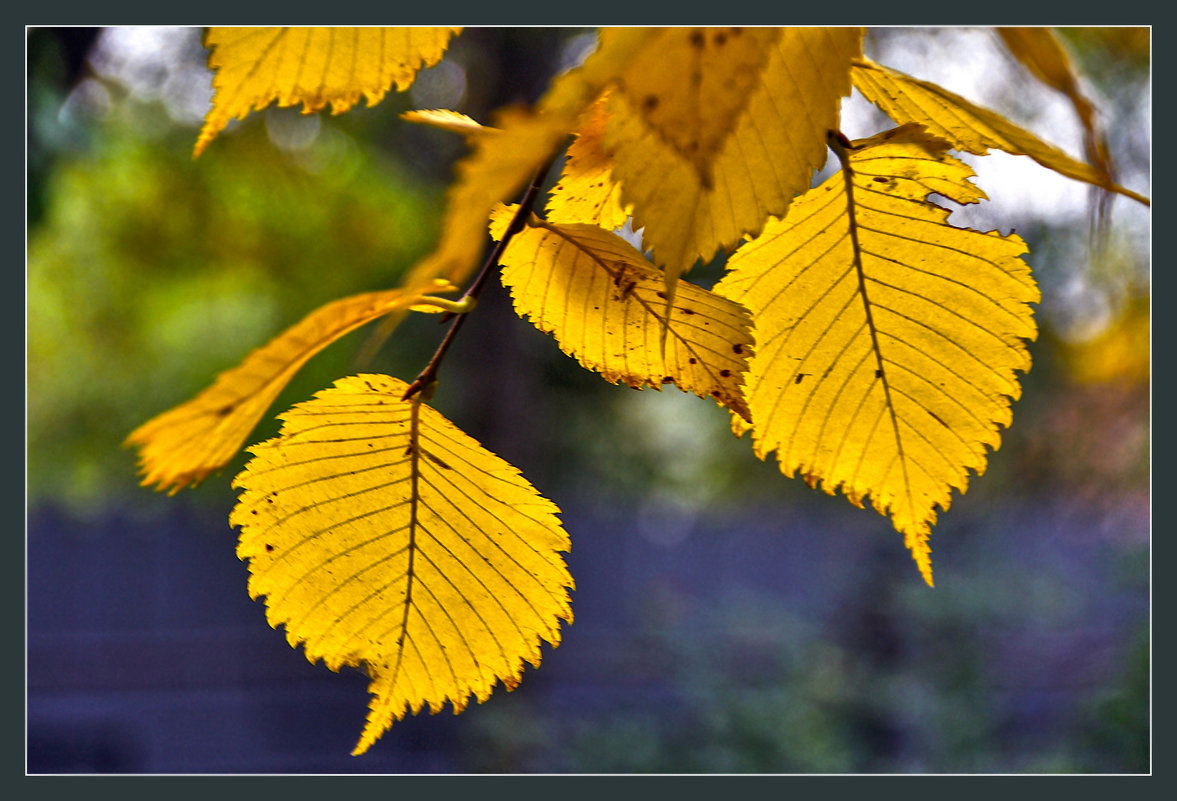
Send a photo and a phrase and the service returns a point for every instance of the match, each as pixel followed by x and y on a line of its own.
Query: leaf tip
pixel 922 555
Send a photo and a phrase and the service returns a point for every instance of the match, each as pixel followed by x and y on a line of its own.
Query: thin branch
pixel 428 376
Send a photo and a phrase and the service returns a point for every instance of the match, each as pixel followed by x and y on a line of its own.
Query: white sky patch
pixel 1082 291
pixel 166 64
pixel 971 62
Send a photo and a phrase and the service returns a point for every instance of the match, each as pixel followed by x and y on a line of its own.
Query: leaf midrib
pixel 848 178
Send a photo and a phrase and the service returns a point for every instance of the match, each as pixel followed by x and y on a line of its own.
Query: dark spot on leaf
pixel 436 460
pixel 879 179
pixel 269 547
pixel 696 39
pixel 725 373
pixel 649 103
pixel 224 411
pixel 667 380
pixel 693 360
pixel 800 376
pixel 715 393
pixel 685 310
pixel 253 512
pixel 878 373
pixel 662 295
pixel 720 39
pixel 738 348
pixel 736 31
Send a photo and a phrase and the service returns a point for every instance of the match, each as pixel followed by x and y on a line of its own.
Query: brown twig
pixel 429 375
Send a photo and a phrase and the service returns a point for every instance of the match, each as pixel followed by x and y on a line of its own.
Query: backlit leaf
pixel 887 340
pixel 446 120
pixel 313 66
pixel 586 192
pixel 606 306
pixel 382 536
pixel 571 92
pixel 183 445
pixel 967 126
pixel 714 129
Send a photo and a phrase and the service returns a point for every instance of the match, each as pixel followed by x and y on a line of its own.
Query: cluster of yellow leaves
pixel 868 343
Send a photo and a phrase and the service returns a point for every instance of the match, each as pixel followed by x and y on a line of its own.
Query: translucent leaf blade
pixel 313 66
pixel 892 375
pixel 606 306
pixel 182 446
pixel 702 166
pixel 446 120
pixel 587 192
pixel 382 536
pixel 967 126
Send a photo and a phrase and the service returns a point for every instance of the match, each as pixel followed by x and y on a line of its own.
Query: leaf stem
pixel 428 377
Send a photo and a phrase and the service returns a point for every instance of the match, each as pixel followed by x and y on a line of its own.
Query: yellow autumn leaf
pixel 313 66
pixel 887 340
pixel 382 536
pixel 714 129
pixel 571 92
pixel 185 444
pixel 446 120
pixel 606 306
pixel 967 126
pixel 586 191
